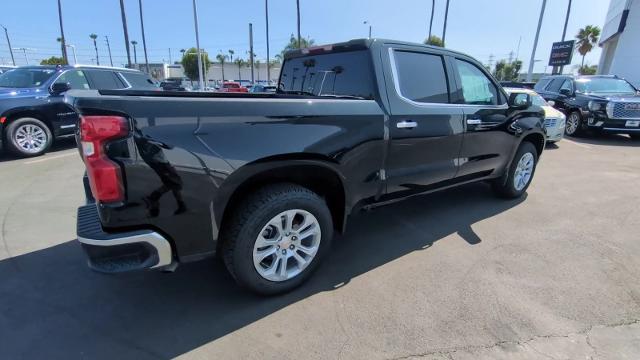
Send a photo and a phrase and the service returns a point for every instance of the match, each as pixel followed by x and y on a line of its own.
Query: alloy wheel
pixel 572 124
pixel 286 245
pixel 30 138
pixel 523 172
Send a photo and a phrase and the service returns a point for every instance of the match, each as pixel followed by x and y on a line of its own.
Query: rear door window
pixel 339 73
pixel 105 80
pixel 422 77
pixel 540 85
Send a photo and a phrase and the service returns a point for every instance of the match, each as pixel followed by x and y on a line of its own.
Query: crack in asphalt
pixel 448 352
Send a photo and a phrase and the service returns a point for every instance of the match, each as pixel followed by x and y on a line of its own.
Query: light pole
pixel 266 15
pixel 144 41
pixel 73 47
pixel 24 51
pixel 95 46
pixel 564 31
pixel 298 15
pixel 126 32
pixel 135 53
pixel 195 20
pixel 106 39
pixel 62 40
pixel 6 33
pixel 535 42
pixel 251 50
pixel 366 22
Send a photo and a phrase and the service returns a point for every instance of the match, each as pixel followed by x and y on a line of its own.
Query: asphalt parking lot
pixel 452 275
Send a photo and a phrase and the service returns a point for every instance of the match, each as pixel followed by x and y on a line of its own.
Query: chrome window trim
pixel 396 85
pixel 124 80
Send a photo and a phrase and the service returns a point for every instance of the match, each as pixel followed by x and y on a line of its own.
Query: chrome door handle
pixel 406 124
pixel 474 121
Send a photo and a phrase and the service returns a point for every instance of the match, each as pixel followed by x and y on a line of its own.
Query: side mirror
pixel 551 103
pixel 59 88
pixel 565 92
pixel 519 100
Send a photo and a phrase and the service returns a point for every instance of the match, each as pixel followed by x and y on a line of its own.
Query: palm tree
pixel 135 53
pixel 587 38
pixel 231 53
pixel 62 42
pixel 95 46
pixel 126 32
pixel 221 59
pixel 240 63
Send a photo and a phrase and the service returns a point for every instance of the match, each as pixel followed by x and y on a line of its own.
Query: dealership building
pixel 620 41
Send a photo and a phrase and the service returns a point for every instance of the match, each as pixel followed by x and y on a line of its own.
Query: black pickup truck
pixel 264 180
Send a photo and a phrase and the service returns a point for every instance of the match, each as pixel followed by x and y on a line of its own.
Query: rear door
pixel 487 141
pixel 425 127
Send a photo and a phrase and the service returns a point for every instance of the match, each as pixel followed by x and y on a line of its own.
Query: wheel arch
pixel 15 114
pixel 315 173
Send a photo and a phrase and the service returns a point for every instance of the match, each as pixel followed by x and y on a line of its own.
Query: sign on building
pixel 561 53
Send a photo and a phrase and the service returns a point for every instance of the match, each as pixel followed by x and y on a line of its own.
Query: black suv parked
pixel 32 109
pixel 600 102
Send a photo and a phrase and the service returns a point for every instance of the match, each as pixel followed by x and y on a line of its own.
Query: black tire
pixel 506 188
pixel 12 137
pixel 254 213
pixel 635 136
pixel 579 128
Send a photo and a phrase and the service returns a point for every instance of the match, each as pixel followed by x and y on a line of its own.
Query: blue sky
pixel 477 27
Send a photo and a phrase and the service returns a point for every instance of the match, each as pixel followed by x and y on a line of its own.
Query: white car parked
pixel 554 120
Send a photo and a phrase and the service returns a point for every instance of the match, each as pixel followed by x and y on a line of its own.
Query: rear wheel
pixel 520 172
pixel 28 137
pixel 574 125
pixel 635 136
pixel 276 238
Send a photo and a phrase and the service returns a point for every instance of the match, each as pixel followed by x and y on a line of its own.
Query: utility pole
pixel 24 51
pixel 6 33
pixel 75 58
pixel 169 55
pixel 564 33
pixel 251 50
pixel 433 9
pixel 298 10
pixel 535 42
pixel 444 28
pixel 490 61
pixel 106 39
pixel 126 32
pixel 366 22
pixel 195 20
pixel 266 14
pixel 62 40
pixel 510 56
pixel 135 54
pixel 144 40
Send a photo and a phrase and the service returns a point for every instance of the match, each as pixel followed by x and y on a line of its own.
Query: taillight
pixel 104 175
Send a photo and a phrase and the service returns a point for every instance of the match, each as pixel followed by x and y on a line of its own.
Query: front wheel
pixel 573 125
pixel 28 137
pixel 276 238
pixel 520 173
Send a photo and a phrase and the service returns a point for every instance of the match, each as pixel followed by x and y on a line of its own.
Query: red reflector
pixel 105 176
pixel 2 120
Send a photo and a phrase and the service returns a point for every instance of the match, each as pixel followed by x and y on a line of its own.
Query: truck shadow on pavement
pixel 53 306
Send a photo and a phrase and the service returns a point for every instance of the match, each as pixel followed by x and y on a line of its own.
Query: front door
pixel 425 128
pixel 486 120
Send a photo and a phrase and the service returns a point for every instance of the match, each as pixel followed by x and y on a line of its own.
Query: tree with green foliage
pixel 222 59
pixel 434 40
pixel 54 60
pixel 587 38
pixel 293 44
pixel 505 71
pixel 240 63
pixel 190 63
pixel 588 69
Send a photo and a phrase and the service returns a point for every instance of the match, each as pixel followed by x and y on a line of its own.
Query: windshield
pixel 603 86
pixel 25 78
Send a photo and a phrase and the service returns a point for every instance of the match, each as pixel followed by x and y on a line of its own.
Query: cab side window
pixel 105 80
pixel 477 88
pixel 422 77
pixel 75 78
